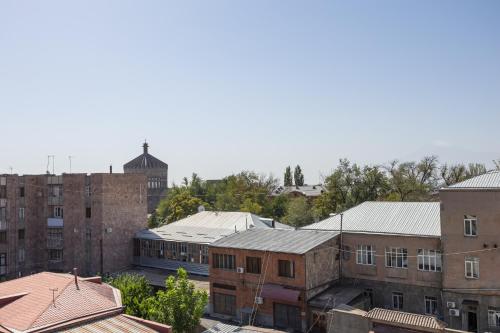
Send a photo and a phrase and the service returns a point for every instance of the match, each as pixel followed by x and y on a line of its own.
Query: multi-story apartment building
pixel 267 276
pixel 392 250
pixel 56 223
pixel 470 232
pixel 156 172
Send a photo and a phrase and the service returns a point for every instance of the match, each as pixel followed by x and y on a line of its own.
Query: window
pixel 20 234
pixel 429 260
pixel 58 212
pixel 3 237
pixel 365 255
pixel 21 213
pixel 224 261
pixel 204 254
pixel 254 265
pixel 494 318
pixel 21 255
pixel 397 301
pixel 286 268
pixel 223 286
pixel 3 214
pixel 87 191
pixel 470 225
pixel 225 304
pixel 430 305
pixel 396 257
pixel 88 212
pixel 21 192
pixel 88 233
pixel 472 268
pixel 3 263
pixel 55 255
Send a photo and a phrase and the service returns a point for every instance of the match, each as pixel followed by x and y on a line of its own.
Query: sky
pixel 216 87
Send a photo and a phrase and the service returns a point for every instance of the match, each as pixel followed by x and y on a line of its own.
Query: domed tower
pixel 155 170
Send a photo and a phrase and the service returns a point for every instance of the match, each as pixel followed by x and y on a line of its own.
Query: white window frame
pixel 433 305
pixel 470 221
pixel 430 258
pixel 58 212
pixel 494 318
pixel 473 263
pixel 365 255
pixel 397 301
pixel 21 213
pixel 396 255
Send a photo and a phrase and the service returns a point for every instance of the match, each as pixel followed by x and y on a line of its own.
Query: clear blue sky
pixel 221 86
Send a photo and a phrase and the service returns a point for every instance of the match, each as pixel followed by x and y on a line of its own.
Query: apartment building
pixel 266 276
pixel 184 243
pixel 470 228
pixel 156 172
pixel 392 250
pixel 58 222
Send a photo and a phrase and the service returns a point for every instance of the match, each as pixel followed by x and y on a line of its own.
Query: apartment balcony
pixel 55 222
pixel 55 243
pixel 3 202
pixel 56 200
pixel 3 225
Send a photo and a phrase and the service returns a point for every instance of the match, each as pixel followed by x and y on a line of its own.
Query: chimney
pixel 145 147
pixel 75 273
pixel 110 168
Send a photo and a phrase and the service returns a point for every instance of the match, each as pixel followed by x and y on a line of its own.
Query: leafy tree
pixel 178 204
pixel 298 212
pixel 136 293
pixel 250 206
pixel 154 220
pixel 459 172
pixel 288 181
pixel 180 304
pixel 278 206
pixel 298 176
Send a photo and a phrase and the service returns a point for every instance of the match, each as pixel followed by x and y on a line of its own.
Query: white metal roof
pixel 398 218
pixel 276 240
pixel 207 227
pixel 488 180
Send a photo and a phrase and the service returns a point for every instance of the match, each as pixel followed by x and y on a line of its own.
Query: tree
pixel 180 304
pixel 496 163
pixel 298 212
pixel 178 204
pixel 250 206
pixel 135 291
pixel 298 176
pixel 288 181
pixel 459 172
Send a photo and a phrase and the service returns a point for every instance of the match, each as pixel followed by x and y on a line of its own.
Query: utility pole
pixel 70 157
pixel 341 246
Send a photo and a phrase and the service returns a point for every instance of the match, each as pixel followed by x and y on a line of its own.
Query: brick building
pixel 266 276
pixel 156 172
pixel 55 223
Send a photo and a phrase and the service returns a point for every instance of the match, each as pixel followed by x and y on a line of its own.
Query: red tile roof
pixel 405 318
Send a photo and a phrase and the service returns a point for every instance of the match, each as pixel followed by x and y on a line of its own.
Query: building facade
pixel 156 172
pixel 58 222
pixel 266 276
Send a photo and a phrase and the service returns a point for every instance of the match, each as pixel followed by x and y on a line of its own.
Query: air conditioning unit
pixel 450 305
pixel 454 312
pixel 240 270
pixel 259 300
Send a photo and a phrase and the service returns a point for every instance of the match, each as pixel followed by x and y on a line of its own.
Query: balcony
pixel 55 222
pixel 55 200
pixel 3 225
pixel 55 243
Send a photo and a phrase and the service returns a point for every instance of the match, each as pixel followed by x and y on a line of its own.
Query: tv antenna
pixel 53 295
pixel 70 157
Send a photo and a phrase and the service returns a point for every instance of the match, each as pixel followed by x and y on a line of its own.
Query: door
pixel 472 321
pixel 287 316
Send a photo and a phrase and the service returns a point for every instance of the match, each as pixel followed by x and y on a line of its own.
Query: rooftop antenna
pixel 53 295
pixel 70 157
pixel 10 170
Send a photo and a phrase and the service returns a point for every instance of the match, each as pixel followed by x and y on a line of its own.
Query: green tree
pixel 136 292
pixel 154 220
pixel 298 176
pixel 459 172
pixel 298 212
pixel 288 181
pixel 178 204
pixel 250 206
pixel 180 304
pixel 278 206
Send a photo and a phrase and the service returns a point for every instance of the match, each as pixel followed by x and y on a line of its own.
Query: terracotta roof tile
pixel 405 318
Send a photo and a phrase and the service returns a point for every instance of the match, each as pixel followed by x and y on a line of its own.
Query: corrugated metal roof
pixel 490 179
pixel 116 324
pixel 207 227
pixel 399 218
pixel 405 318
pixel 276 240
pixel 305 190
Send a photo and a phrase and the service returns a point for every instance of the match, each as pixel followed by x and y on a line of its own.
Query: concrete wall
pixel 322 268
pixel 348 321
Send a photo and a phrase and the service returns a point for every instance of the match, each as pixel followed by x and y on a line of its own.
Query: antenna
pixel 48 163
pixel 10 170
pixel 53 295
pixel 70 157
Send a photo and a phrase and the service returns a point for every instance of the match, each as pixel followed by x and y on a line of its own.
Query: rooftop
pixel 207 227
pixel 305 190
pixel 489 180
pixel 409 320
pixel 145 161
pixel 395 218
pixel 276 240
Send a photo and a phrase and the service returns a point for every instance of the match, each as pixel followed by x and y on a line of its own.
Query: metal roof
pixel 305 190
pixel 115 324
pixel 335 296
pixel 207 227
pixel 276 240
pixel 393 318
pixel 488 180
pixel 397 218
